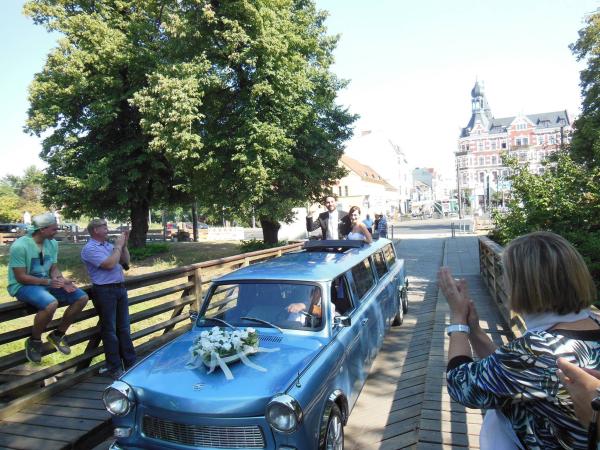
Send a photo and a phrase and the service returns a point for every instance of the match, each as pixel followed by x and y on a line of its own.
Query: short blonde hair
pixel 94 223
pixel 544 273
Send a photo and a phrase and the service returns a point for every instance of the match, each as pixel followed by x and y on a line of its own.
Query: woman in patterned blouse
pixel 549 285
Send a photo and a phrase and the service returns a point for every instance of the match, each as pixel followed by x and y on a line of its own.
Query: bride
pixel 359 230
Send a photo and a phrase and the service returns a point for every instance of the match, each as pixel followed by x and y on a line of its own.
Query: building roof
pixel 553 119
pixel 365 172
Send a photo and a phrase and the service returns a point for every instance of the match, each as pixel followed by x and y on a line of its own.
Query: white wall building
pixel 387 159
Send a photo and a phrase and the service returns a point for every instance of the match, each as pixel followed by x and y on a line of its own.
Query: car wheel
pixel 399 317
pixel 334 437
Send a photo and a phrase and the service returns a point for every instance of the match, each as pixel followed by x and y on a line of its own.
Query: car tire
pixel 399 317
pixel 334 434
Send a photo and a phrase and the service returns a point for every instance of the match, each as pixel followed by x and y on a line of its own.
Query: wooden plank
pixel 84 413
pixel 80 393
pixel 53 421
pixel 12 441
pixel 70 402
pixel 41 432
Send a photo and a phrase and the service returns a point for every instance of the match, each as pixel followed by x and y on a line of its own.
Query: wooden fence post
pixel 198 287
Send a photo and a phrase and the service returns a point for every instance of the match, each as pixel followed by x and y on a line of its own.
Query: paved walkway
pixel 404 403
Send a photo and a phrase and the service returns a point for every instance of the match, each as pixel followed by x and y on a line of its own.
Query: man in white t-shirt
pixel 334 224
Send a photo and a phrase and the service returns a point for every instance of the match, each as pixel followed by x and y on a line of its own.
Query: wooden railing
pixel 8 238
pixel 490 267
pixel 165 295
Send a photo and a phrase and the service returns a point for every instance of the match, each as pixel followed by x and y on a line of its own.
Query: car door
pixel 355 338
pixel 362 285
pixel 385 288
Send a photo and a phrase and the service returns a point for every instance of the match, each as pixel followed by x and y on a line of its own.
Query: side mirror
pixel 342 321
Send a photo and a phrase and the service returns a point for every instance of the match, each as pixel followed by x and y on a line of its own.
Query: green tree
pixel 9 204
pixel 154 103
pixel 257 128
pixel 99 160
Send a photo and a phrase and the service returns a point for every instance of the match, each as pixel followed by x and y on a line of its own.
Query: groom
pixel 334 224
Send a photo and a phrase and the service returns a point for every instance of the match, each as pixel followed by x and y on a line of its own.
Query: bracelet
pixel 457 328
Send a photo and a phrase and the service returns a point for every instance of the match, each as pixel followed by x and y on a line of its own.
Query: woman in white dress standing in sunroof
pixel 359 230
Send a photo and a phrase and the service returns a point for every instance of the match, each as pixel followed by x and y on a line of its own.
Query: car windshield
pixel 277 305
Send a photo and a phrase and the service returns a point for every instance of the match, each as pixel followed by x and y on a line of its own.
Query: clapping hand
pixel 456 294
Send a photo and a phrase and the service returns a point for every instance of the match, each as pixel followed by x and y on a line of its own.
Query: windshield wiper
pixel 221 321
pixel 256 319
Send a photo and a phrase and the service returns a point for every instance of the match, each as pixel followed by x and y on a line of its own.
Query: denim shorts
pixel 41 296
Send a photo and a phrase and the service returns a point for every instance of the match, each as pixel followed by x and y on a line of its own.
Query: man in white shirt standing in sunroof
pixel 334 224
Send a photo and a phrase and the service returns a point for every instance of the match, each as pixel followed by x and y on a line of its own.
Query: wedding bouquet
pixel 218 347
pixel 224 343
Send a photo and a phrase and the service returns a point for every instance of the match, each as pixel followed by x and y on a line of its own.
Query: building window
pixel 495 176
pixel 552 140
pixel 504 173
pixel 540 140
pixel 494 160
pixel 521 126
pixel 480 145
pixel 518 142
pixel 346 190
pixel 525 141
pixel 464 178
pixel 487 160
pixel 481 175
pixel 504 145
pixel 494 144
pixel 340 191
pixel 481 160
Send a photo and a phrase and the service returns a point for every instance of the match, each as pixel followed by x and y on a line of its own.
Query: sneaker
pixel 33 351
pixel 60 343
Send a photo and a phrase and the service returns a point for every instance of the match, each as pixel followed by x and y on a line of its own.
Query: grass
pixel 177 254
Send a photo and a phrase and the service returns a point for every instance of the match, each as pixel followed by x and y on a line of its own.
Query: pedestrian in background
pixel 381 227
pixel 104 263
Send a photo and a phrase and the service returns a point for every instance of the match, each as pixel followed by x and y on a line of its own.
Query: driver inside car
pixel 298 310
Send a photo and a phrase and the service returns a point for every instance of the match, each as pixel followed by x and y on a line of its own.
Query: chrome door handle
pixel 364 322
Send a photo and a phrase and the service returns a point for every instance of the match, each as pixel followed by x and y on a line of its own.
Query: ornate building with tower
pixel 481 176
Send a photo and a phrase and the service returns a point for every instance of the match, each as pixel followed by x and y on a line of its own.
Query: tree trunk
pixel 195 221
pixel 139 224
pixel 270 228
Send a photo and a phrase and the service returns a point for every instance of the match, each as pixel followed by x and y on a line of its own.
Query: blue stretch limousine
pixel 277 357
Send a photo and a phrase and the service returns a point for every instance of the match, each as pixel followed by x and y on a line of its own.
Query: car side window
pixel 363 277
pixel 390 255
pixel 340 296
pixel 380 266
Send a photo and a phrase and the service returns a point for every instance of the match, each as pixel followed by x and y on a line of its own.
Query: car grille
pixel 202 435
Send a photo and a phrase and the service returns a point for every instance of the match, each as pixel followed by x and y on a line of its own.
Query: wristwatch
pixel 457 327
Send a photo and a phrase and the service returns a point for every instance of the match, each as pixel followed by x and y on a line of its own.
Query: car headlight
pixel 118 398
pixel 284 413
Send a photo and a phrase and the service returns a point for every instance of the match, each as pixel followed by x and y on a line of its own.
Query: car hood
pixel 162 380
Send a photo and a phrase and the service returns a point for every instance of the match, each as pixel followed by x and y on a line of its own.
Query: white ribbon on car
pixel 216 360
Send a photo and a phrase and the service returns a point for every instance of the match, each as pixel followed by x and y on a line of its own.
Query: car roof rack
pixel 336 246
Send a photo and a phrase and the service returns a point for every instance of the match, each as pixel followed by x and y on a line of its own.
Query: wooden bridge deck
pixel 403 405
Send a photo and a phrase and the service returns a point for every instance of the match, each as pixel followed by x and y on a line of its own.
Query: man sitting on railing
pixel 34 278
pixel 104 263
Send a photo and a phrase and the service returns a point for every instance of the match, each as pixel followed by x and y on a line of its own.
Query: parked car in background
pixel 276 358
pixel 19 228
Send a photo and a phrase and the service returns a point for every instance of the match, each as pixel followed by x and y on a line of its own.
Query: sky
pixel 411 67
